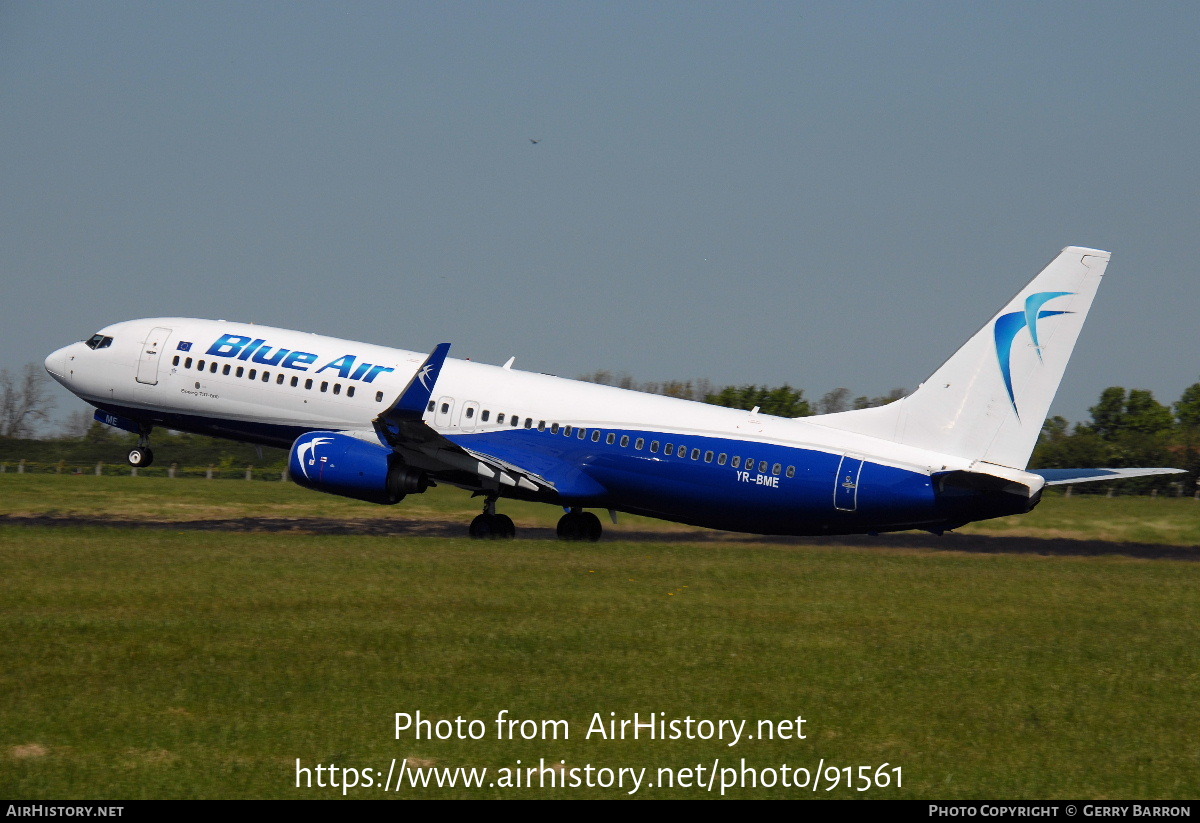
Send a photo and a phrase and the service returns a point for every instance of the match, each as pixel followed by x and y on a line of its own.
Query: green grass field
pixel 1167 520
pixel 163 663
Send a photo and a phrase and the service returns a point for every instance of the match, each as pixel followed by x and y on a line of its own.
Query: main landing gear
pixel 579 525
pixel 141 456
pixel 492 526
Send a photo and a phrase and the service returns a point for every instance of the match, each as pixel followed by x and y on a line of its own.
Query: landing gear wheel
pixel 481 527
pixel 493 527
pixel 576 526
pixel 505 528
pixel 140 457
pixel 591 526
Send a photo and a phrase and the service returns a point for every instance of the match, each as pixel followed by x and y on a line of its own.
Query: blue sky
pixel 823 194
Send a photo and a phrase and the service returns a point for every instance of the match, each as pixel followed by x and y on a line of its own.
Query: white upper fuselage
pixel 202 380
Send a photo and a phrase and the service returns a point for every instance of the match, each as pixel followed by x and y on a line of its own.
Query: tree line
pixel 1127 428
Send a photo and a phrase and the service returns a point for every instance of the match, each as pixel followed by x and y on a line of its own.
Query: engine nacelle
pixel 336 463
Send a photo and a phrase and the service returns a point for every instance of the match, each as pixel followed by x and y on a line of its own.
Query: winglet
pixel 410 405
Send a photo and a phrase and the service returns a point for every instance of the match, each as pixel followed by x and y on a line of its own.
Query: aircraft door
pixel 444 413
pixel 147 370
pixel 466 420
pixel 845 483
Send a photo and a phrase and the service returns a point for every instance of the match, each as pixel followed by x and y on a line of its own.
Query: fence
pixel 276 474
pixel 121 469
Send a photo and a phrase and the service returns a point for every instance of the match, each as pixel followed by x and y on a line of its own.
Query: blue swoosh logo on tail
pixel 1008 326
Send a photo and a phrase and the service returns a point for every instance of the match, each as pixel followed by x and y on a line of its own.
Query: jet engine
pixel 337 463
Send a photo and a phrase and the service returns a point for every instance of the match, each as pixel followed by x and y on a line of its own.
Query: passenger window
pixel 174 360
pixel 253 373
pixel 596 436
pixel 654 447
pixel 337 388
pixel 529 422
pixel 695 454
pixel 430 407
pixel 240 371
pixel 324 385
pixel 669 449
pixel 279 379
pixel 639 444
pixel 735 462
pixel 624 441
pixel 225 370
pixel 721 458
pixel 378 397
pixel 213 367
pixel 682 450
pixel 708 456
pixel 516 420
pixel 187 364
pixel 349 391
pixel 295 381
pixel 470 412
pixel 566 431
pixel 612 438
pixel 445 408
pixel 776 469
pixel 581 433
pixel 762 467
pixel 791 472
pixel 554 428
pixel 266 378
pixel 500 419
pixel 307 382
pixel 541 425
pixel 200 365
pixel 486 414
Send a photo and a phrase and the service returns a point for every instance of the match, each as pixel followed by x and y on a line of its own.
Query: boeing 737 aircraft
pixel 378 424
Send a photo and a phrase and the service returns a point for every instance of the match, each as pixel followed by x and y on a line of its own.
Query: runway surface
pixel 980 544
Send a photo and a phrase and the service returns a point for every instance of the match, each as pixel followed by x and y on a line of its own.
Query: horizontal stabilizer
pixel 1059 477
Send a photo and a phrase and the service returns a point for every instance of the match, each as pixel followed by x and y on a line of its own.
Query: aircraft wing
pixel 1059 477
pixel 402 427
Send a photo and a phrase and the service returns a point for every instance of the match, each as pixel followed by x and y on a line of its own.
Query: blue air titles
pixel 256 350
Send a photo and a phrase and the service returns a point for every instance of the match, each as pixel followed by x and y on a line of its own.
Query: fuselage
pixel 597 446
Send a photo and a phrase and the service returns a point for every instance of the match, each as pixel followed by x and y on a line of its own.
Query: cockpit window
pixel 99 341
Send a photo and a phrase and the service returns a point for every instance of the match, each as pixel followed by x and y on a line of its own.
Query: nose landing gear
pixel 141 456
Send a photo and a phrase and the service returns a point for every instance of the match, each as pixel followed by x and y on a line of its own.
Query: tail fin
pixel 989 400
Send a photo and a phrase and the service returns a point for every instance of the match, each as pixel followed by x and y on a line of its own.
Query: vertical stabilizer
pixel 989 400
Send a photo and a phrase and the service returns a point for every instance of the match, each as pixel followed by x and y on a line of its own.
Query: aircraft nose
pixel 56 364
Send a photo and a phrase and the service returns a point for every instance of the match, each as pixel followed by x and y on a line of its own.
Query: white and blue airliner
pixel 378 424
